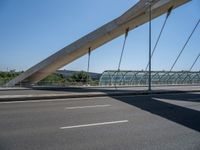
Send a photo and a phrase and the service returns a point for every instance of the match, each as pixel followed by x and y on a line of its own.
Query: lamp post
pixel 88 67
pixel 149 87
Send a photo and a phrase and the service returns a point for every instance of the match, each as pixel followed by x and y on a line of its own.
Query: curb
pixel 63 96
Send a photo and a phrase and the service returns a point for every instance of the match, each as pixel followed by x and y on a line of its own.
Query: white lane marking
pixel 92 106
pixel 84 98
pixel 194 99
pixel 191 99
pixel 94 124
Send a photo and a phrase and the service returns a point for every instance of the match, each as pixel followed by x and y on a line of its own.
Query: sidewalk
pixel 38 93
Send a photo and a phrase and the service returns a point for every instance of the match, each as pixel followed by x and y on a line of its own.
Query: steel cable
pixel 184 45
pixel 158 39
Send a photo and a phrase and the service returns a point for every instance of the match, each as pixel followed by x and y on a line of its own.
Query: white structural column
pixel 134 17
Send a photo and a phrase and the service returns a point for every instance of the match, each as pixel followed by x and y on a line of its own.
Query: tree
pixel 53 78
pixel 80 77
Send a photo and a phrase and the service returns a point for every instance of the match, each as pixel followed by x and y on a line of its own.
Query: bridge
pixel 122 114
pixel 142 12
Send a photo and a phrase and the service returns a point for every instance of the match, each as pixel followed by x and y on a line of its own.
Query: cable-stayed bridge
pixel 142 12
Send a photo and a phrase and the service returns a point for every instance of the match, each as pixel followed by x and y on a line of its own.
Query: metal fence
pixel 140 78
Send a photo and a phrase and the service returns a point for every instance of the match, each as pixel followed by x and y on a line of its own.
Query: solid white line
pixel 92 106
pixel 194 99
pixel 94 124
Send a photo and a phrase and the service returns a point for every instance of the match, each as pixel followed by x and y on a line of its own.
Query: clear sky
pixel 31 30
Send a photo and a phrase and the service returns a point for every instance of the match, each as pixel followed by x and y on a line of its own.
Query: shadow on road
pixel 184 116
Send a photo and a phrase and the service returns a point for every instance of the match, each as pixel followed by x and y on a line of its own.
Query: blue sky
pixel 31 30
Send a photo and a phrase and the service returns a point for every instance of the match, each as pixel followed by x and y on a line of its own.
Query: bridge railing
pixel 140 78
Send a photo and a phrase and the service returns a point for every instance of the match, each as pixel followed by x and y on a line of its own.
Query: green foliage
pixel 5 76
pixel 77 78
pixel 8 75
pixel 80 77
pixel 53 78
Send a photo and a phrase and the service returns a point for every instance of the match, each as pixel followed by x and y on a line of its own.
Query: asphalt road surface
pixel 155 122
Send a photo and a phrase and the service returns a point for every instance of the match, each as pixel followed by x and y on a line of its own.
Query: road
pixel 153 122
